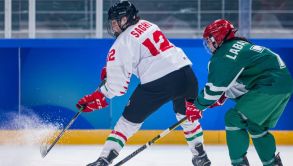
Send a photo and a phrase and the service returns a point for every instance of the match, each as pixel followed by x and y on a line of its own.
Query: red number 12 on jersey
pixel 164 45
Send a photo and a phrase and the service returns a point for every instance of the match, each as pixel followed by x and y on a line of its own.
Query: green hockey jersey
pixel 238 67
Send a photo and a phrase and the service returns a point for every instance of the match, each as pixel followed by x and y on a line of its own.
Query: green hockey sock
pixel 264 143
pixel 238 143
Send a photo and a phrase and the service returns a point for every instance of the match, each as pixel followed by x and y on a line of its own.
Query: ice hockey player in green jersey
pixel 258 81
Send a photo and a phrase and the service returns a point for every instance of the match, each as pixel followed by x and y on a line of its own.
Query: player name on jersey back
pixel 140 29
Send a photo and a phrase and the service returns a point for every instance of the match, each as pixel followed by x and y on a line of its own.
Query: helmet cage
pixel 207 47
pixel 210 45
pixel 110 28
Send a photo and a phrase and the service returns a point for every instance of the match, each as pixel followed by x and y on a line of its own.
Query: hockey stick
pixel 44 147
pixel 164 133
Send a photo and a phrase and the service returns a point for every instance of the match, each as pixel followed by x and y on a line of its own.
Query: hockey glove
pixel 94 101
pixel 103 74
pixel 192 113
pixel 219 102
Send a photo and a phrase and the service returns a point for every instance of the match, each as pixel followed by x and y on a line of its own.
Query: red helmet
pixel 219 31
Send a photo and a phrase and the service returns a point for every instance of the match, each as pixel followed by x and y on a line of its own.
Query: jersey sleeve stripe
pixel 235 78
pixel 216 88
pixel 210 97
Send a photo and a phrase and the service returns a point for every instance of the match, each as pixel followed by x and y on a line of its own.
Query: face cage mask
pixel 207 47
pixel 122 27
pixel 110 29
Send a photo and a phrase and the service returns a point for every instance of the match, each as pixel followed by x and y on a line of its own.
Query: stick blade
pixel 43 150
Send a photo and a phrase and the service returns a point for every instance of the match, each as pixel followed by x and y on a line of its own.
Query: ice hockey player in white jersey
pixel 165 75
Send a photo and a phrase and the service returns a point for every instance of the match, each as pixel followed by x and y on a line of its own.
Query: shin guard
pixel 192 132
pixel 123 130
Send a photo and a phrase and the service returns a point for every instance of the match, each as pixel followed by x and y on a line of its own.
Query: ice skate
pixel 201 159
pixel 278 161
pixel 105 161
pixel 243 163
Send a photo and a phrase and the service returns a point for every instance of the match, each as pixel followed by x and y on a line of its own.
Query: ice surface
pixel 156 155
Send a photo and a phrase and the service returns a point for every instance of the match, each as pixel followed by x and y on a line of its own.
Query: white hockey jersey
pixel 143 50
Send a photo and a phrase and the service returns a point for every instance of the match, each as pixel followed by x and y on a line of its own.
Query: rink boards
pixel 43 79
pixel 140 138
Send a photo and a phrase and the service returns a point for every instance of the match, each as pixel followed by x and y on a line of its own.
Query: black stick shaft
pixel 145 146
pixel 62 132
pixel 68 125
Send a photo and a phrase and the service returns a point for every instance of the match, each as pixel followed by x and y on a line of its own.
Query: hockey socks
pixel 192 132
pixel 123 130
